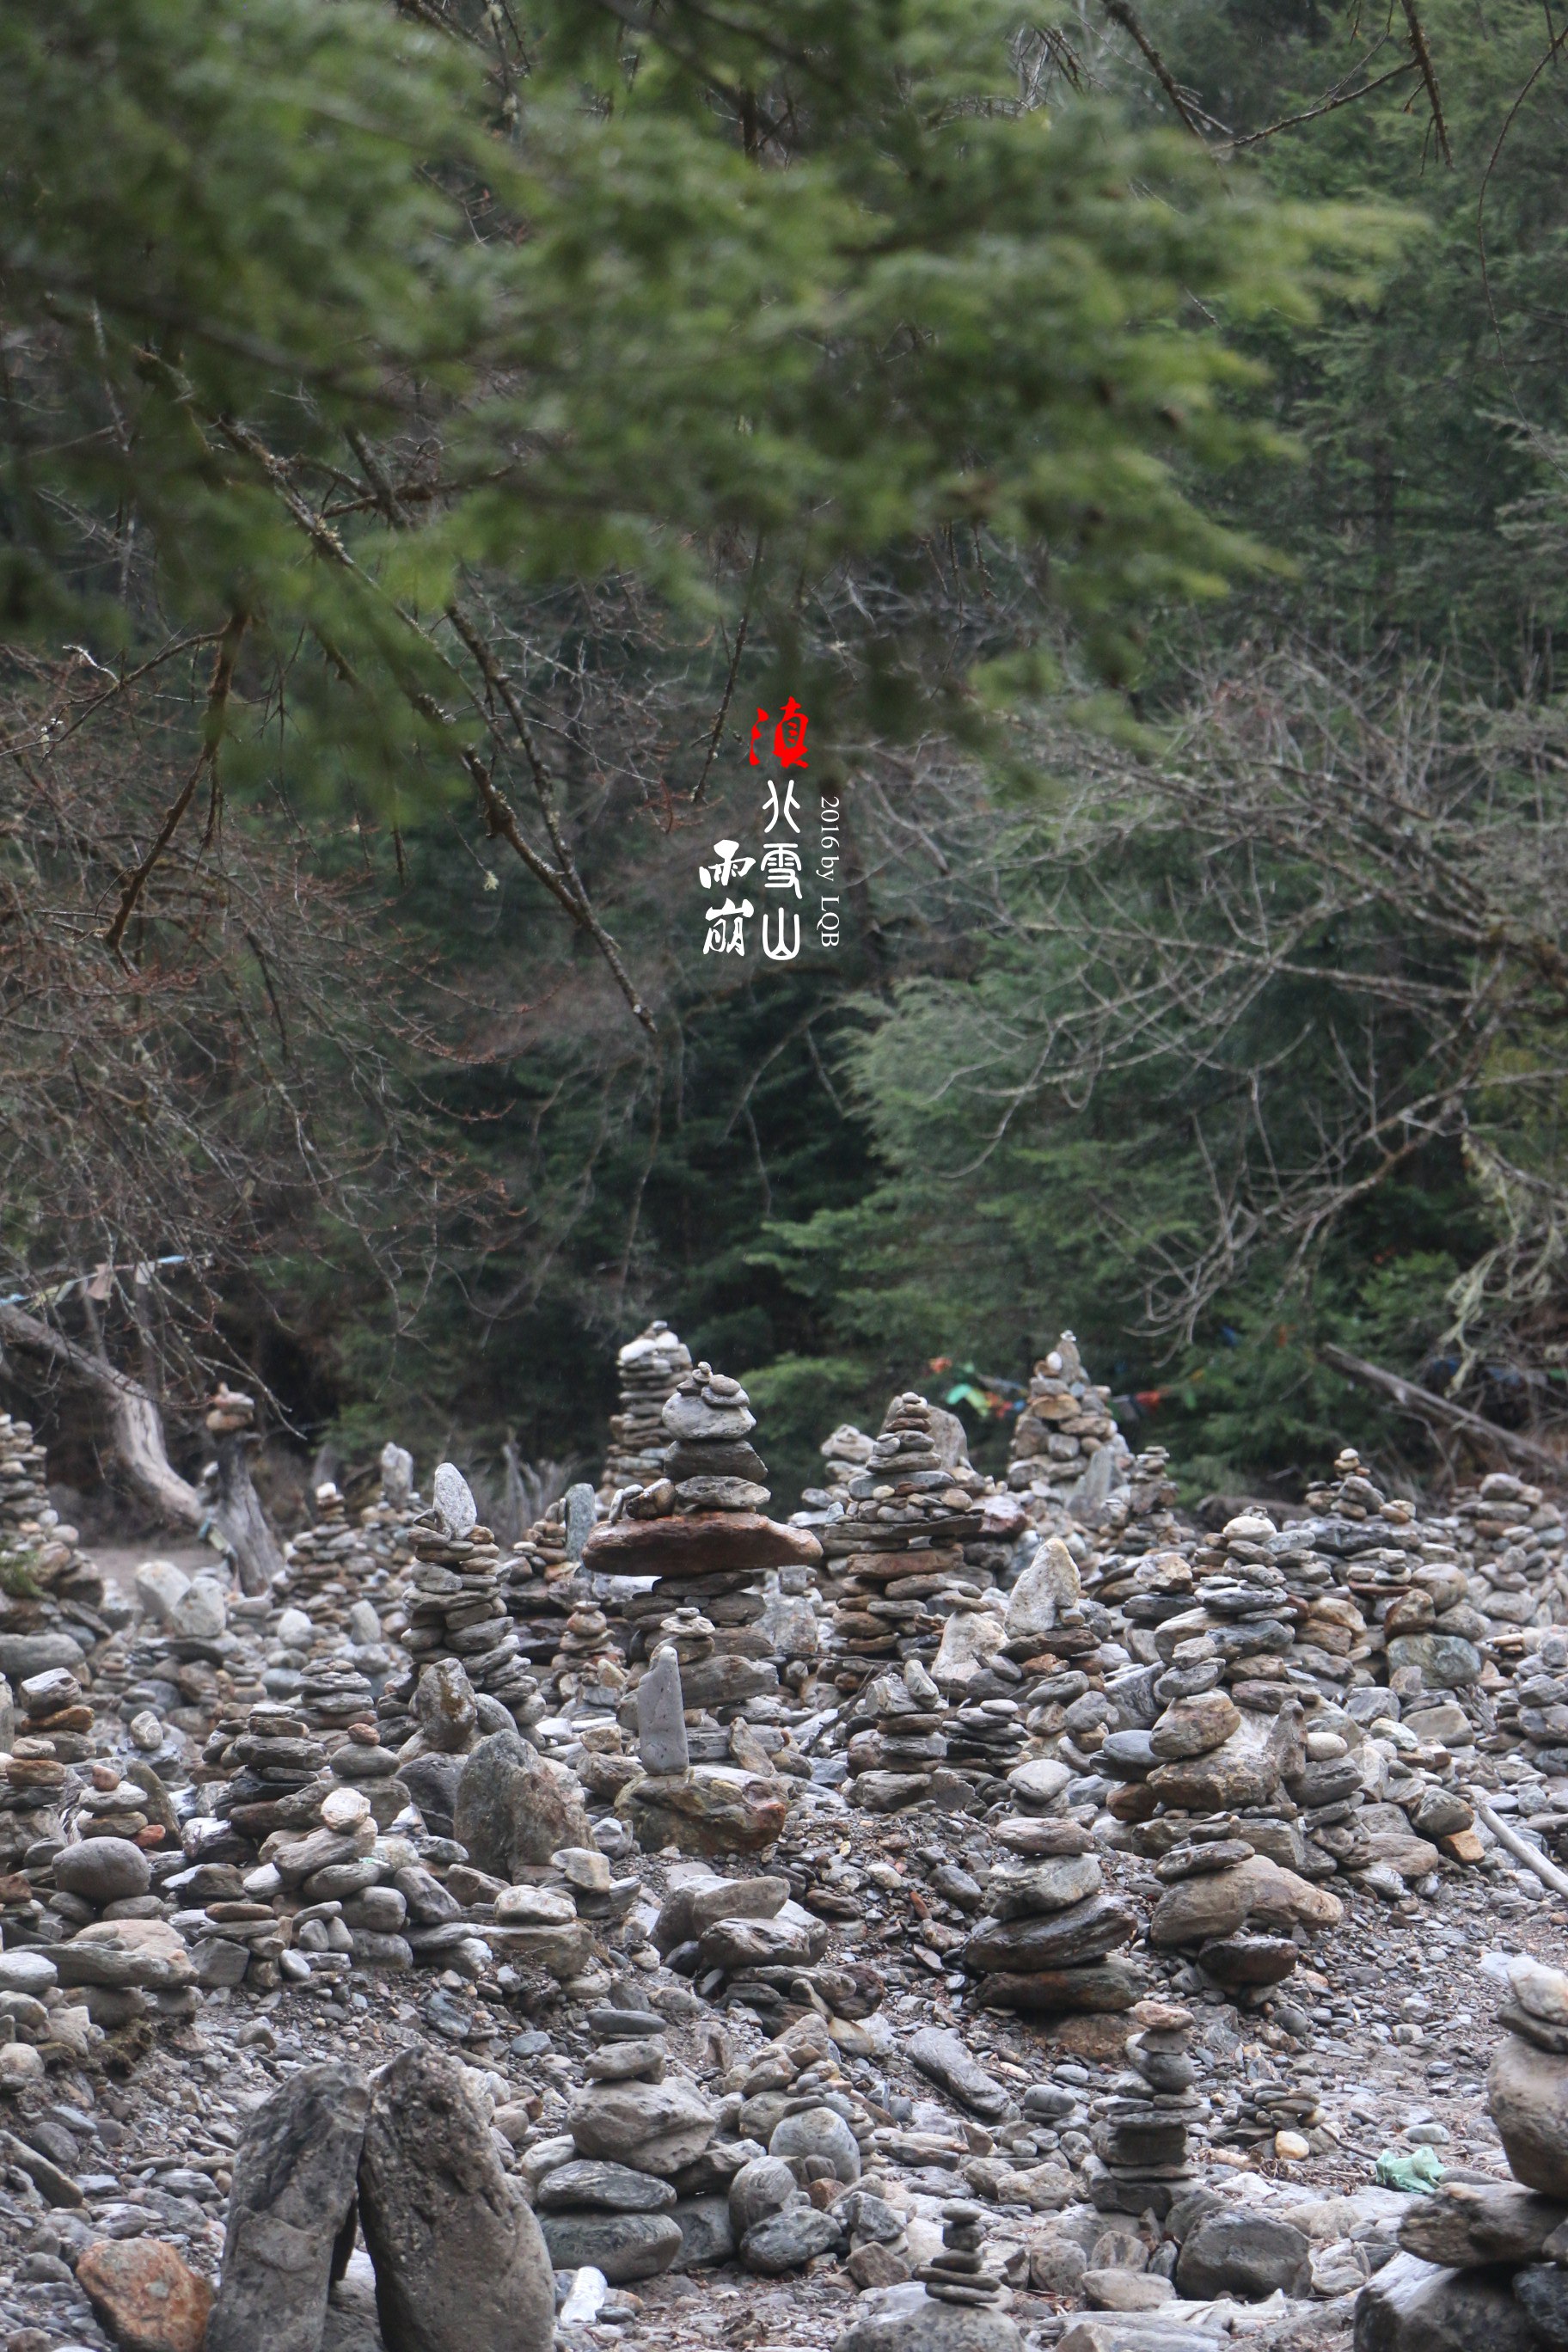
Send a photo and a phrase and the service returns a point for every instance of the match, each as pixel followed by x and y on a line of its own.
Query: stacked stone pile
pixel 956 2274
pixel 699 1533
pixel 846 1454
pixel 456 1607
pixel 648 1368
pixel 544 1583
pixel 589 1667
pixel 610 2196
pixel 1050 1931
pixel 51 1595
pixel 1066 1425
pixel 901 1545
pixel 704 1509
pixel 897 1727
pixel 1143 2162
pixel 330 1564
pixel 1487 2262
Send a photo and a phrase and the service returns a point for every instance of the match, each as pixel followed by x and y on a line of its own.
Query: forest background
pixel 1140 439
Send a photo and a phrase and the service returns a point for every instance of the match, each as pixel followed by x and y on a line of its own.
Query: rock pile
pixel 1488 2263
pixel 1143 2160
pixel 648 1368
pixel 51 1595
pixel 699 1533
pixel 1065 1428
pixel 1050 1928
pixel 901 1548
pixel 456 1607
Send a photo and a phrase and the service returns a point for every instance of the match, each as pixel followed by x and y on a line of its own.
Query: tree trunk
pixel 239 1517
pixel 1456 1417
pixel 138 1429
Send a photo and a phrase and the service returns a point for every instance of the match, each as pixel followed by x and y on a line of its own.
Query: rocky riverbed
pixel 974 1915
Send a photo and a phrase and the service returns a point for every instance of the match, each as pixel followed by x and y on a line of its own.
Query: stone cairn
pixel 846 1454
pixel 955 2275
pixel 611 2197
pixel 900 1541
pixel 1487 2262
pixel 649 1368
pixel 46 1583
pixel 1045 1943
pixel 1142 2163
pixel 699 1531
pixel 545 1579
pixel 328 1565
pixel 1066 1425
pixel 456 1607
pixel 897 1741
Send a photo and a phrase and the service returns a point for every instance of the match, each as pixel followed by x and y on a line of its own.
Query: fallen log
pixel 137 1426
pixel 1442 1414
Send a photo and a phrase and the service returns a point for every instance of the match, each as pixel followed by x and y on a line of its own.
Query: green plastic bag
pixel 1416 2174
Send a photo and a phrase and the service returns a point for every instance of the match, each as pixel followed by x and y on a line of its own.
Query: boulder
pixel 612 2187
pixel 1050 1886
pixel 623 2246
pixel 1544 2292
pixel 704 1544
pixel 1238 1773
pixel 119 1953
pixel 144 2296
pixel 1247 2255
pixel 970 1640
pixel 1084 1932
pixel 1414 2306
pixel 1103 1989
pixel 909 2320
pixel 943 2057
pixel 514 1809
pixel 445 1708
pixel 1464 2224
pixel 1195 1725
pixel 655 2126
pixel 1049 1585
pixel 160 1586
pixel 459 2256
pixel 765 2186
pixel 818 2131
pixel 1526 2091
pixel 1255 1892
pixel 707 2234
pixel 736 1944
pixel 1039 1783
pixel 688 1911
pixel 432 1782
pixel 788 2238
pixel 714 1809
pixel 294 2182
pixel 103 1870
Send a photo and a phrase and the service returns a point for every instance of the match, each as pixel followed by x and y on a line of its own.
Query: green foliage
pixel 597 333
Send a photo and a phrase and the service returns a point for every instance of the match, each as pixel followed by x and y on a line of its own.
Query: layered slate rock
pixel 459 2256
pixel 292 2200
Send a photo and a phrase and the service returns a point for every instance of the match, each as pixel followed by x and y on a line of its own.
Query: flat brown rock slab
pixel 709 1543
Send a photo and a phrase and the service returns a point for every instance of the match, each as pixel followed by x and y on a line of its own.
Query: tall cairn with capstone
pixel 699 1529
